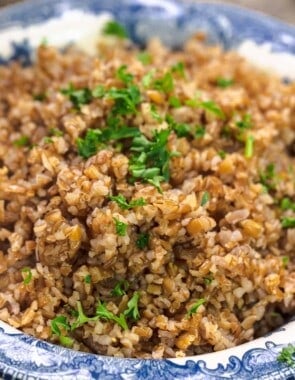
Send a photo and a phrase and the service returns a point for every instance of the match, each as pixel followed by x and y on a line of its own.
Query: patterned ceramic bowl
pixel 270 43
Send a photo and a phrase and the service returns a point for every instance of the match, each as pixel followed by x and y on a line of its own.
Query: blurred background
pixel 283 9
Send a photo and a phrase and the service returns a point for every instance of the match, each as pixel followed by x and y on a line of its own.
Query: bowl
pixel 266 41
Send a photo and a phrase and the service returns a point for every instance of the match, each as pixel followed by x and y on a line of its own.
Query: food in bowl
pixel 147 201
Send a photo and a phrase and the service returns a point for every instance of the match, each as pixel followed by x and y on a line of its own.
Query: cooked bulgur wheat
pixel 197 260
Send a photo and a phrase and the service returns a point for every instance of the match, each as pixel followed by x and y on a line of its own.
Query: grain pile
pixel 147 199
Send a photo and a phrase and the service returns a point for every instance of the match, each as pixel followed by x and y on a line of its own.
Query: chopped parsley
pixel 143 240
pixel 285 261
pixel 121 227
pixel 267 177
pixel 144 57
pixel 287 204
pixel 120 288
pixel 207 105
pixel 174 102
pixel 124 205
pixel 81 318
pixel 200 131
pixel 208 279
pixel 288 222
pixel 113 28
pixel 126 100
pixel 55 132
pixel 154 113
pixel 103 313
pixel 181 129
pixel 287 355
pixel 148 78
pixel 224 82
pixel 249 146
pixel 245 122
pixel 88 146
pixel 195 307
pixel 22 141
pixel 78 97
pixel 87 279
pixel 47 140
pixel 132 307
pixel 165 83
pixel 59 325
pixel 27 275
pixel 123 75
pixel 150 161
pixel 205 198
pixel 179 69
pixel 222 154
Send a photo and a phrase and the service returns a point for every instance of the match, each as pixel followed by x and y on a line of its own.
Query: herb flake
pixel 27 275
pixel 121 227
pixel 195 307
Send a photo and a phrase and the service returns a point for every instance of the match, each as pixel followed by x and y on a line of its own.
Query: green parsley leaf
pixel 287 355
pixel 47 140
pixel 122 74
pixel 147 78
pixel 222 154
pixel 40 97
pixel 103 313
pixel 212 107
pixel 224 82
pixel 58 323
pixel 143 240
pixel 205 198
pixel 121 227
pixel 144 57
pixel 287 204
pixel 245 122
pixel 195 307
pixel 66 341
pixel 181 129
pixel 27 275
pixel 208 280
pixel 288 222
pixel 98 92
pixel 113 28
pixel 200 132
pixel 55 132
pixel 156 182
pixel 88 146
pixel 174 102
pixel 22 141
pixel 132 307
pixel 179 69
pixel 267 177
pixel 126 99
pixel 81 317
pixel 120 288
pixel 285 261
pixel 87 279
pixel 124 205
pixel 165 83
pixel 78 97
pixel 155 114
pixel 249 146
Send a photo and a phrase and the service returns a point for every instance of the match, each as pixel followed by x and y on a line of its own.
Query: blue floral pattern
pixel 24 357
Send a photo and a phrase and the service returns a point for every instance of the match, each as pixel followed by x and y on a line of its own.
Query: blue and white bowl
pixel 270 44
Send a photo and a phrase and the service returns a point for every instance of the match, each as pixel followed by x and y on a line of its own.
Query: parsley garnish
pixel 47 140
pixel 285 261
pixel 178 68
pixel 249 146
pixel 200 131
pixel 245 122
pixel 205 198
pixel 78 97
pixel 132 307
pixel 195 307
pixel 208 280
pixel 22 141
pixel 174 102
pixel 126 99
pixel 58 324
pixel 287 204
pixel 181 129
pixel 224 82
pixel 88 146
pixel 143 240
pixel 287 355
pixel 87 279
pixel 103 313
pixel 164 84
pixel 208 105
pixel 81 317
pixel 288 222
pixel 155 114
pixel 27 275
pixel 113 28
pixel 122 74
pixel 120 288
pixel 55 132
pixel 222 154
pixel 267 177
pixel 147 78
pixel 144 57
pixel 121 227
pixel 124 205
